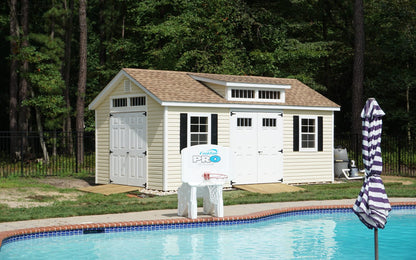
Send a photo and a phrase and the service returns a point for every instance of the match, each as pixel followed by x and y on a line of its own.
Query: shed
pixel 279 129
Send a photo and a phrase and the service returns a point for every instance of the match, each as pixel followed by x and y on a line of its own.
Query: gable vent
pixel 127 85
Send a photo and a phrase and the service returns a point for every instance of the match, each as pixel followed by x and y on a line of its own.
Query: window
pixel 308 133
pixel 268 94
pixel 128 103
pixel 262 95
pixel 269 122
pixel 244 122
pixel 137 101
pixel 242 93
pixel 198 129
pixel 119 102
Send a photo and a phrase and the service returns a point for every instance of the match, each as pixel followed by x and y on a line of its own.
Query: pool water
pixel 313 236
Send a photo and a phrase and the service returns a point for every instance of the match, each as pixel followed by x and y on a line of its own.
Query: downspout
pixel 165 149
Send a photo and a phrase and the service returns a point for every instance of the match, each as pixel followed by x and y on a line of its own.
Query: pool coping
pixel 251 216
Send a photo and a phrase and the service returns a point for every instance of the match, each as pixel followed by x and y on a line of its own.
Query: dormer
pixel 246 91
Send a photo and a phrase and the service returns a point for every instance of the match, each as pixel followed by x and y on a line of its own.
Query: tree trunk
pixel 82 79
pixel 24 111
pixel 66 74
pixel 40 131
pixel 358 67
pixel 14 81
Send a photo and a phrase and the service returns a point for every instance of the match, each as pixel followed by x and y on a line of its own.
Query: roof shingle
pixel 178 86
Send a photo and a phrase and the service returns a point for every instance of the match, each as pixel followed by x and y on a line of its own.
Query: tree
pixel 14 85
pixel 82 79
pixel 358 66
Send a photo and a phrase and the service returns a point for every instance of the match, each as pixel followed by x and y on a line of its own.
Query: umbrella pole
pixel 376 243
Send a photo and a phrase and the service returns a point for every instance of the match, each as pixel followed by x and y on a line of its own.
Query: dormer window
pixel 262 95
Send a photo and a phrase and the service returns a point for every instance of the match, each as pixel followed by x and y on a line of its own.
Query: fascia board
pixel 247 106
pixel 97 100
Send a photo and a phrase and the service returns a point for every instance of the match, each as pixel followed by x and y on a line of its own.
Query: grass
pixel 91 204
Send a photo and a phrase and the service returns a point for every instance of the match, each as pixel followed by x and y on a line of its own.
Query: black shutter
pixel 214 128
pixel 320 134
pixel 295 133
pixel 183 135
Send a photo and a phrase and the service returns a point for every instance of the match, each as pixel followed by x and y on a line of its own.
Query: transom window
pixel 308 134
pixel 199 129
pixel 128 103
pixel 120 102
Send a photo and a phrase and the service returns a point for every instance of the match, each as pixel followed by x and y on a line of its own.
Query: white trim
pixel 314 149
pixel 165 150
pixel 256 96
pixel 188 131
pixel 240 84
pixel 112 84
pixel 247 106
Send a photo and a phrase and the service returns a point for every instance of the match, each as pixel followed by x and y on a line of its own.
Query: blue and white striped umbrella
pixel 372 205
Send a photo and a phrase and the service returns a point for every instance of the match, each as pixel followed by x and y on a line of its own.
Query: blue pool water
pixel 319 235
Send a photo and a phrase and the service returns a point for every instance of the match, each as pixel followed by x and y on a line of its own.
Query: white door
pixel 128 164
pixel 256 139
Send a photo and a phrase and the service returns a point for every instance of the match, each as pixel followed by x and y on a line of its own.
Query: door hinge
pixel 145 113
pixel 145 153
pixel 281 114
pixel 110 152
pixel 111 115
pixel 232 113
pixel 281 151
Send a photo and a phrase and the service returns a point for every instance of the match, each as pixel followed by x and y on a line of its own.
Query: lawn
pixel 37 199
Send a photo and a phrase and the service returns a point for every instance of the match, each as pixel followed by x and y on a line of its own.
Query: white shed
pixel 279 129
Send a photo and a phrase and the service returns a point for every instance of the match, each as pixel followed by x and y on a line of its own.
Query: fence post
pixel 76 151
pixel 398 156
pixel 21 154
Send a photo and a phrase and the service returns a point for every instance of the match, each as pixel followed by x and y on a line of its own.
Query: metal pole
pixel 376 243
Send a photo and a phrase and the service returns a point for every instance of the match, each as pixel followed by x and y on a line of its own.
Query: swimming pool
pixel 315 234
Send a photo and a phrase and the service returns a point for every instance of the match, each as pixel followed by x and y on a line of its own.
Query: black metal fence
pixel 398 153
pixel 22 154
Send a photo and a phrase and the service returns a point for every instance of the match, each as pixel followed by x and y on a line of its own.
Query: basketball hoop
pixel 208 176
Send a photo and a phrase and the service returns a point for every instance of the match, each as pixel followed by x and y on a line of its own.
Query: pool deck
pixel 169 216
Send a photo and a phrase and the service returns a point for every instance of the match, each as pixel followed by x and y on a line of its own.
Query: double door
pixel 257 141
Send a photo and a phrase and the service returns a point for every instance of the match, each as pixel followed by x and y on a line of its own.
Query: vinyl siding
pixel 304 167
pixel 174 156
pixel 154 144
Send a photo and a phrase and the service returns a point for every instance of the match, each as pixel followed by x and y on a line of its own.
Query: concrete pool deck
pixel 169 216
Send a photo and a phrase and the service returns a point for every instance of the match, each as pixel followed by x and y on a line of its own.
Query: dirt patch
pixel 402 180
pixel 60 182
pixel 36 196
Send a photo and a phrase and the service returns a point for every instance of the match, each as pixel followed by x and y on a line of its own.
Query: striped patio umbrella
pixel 372 205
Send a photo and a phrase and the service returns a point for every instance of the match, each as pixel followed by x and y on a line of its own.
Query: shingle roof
pixel 176 86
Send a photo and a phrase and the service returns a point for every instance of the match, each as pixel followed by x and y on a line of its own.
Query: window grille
pixel 242 93
pixel 244 122
pixel 269 94
pixel 269 122
pixel 120 102
pixel 137 101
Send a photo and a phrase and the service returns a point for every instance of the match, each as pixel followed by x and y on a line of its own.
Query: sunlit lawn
pixel 90 203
